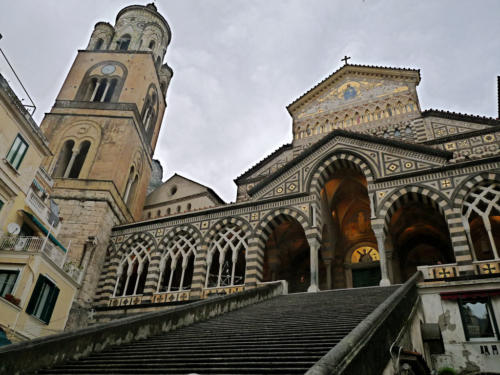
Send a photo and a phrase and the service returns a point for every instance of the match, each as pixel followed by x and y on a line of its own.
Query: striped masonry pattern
pixel 336 162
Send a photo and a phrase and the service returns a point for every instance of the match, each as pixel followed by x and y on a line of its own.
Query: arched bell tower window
pixel 150 110
pixel 133 180
pixel 102 83
pixel 79 160
pixel 71 159
pixel 98 44
pixel 65 155
pixel 123 43
pixel 151 45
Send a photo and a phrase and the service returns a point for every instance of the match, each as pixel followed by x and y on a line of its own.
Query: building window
pixel 99 44
pixel 123 43
pixel 1 205
pixel 7 281
pixel 132 272
pixel 478 318
pixel 17 152
pixel 43 299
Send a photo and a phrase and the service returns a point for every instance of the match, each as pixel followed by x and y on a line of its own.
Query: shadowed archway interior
pixel 287 256
pixel 347 229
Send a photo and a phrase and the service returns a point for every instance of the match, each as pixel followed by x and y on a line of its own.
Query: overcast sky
pixel 237 64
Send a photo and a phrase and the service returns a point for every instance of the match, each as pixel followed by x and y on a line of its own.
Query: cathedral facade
pixel 371 190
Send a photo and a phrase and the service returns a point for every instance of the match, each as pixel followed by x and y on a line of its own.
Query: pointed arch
pixel 227 253
pixel 178 251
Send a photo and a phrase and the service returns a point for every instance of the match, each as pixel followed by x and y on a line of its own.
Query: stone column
pixel 380 236
pixel 152 277
pixel 314 246
pixel 199 272
pixel 466 225
pixel 71 162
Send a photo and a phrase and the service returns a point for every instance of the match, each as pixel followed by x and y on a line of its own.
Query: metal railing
pixel 11 77
pixel 41 210
pixel 41 245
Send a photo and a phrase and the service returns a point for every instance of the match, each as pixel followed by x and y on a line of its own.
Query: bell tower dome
pixel 103 130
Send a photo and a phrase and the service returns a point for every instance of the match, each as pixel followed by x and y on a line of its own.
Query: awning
pixel 43 229
pixel 470 294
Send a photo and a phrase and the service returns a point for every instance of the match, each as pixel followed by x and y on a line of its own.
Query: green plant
pixel 447 371
pixel 9 297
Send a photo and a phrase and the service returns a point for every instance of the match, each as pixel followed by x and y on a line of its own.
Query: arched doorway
pixel 286 256
pixel 364 265
pixel 417 235
pixel 345 210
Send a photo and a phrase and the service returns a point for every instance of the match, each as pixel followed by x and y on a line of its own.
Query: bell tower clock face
pixel 108 69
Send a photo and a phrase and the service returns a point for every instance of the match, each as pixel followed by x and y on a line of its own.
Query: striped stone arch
pixel 145 239
pixel 188 229
pixel 233 220
pixel 468 185
pixel 275 218
pixel 422 194
pixel 441 203
pixel 340 159
pixel 257 244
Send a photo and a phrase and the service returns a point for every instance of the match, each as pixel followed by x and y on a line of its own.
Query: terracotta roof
pixel 460 117
pixel 360 136
pixel 278 151
pixel 350 66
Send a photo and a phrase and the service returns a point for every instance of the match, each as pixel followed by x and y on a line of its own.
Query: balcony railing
pixel 483 268
pixel 41 245
pixel 439 271
pixel 41 210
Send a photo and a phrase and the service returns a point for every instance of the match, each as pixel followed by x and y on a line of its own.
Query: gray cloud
pixel 237 64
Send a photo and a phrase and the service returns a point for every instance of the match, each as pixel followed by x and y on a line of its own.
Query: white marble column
pixel 71 162
pixel 314 245
pixel 379 234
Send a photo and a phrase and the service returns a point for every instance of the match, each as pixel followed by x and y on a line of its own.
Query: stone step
pixel 285 335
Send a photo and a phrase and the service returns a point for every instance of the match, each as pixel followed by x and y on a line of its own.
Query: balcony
pixel 41 245
pixel 42 211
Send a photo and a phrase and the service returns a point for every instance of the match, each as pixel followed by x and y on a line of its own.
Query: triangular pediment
pixel 177 188
pixel 354 85
pixel 385 159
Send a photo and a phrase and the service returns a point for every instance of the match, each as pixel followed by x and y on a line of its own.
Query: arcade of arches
pixel 417 234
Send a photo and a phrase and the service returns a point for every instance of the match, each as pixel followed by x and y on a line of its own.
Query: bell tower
pixel 102 132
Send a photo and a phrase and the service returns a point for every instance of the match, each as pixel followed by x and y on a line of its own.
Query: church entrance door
pixel 366 277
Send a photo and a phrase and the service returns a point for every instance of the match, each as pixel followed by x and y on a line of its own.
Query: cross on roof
pixel 345 59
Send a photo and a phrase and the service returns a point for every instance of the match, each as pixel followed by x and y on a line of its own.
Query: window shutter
pixel 35 295
pixel 49 306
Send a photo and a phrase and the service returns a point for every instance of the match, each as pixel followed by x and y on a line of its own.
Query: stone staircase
pixel 284 335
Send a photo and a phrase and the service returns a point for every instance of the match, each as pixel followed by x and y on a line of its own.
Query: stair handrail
pixel 48 351
pixel 336 361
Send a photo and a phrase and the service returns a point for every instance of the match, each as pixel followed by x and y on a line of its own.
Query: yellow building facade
pixel 37 284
